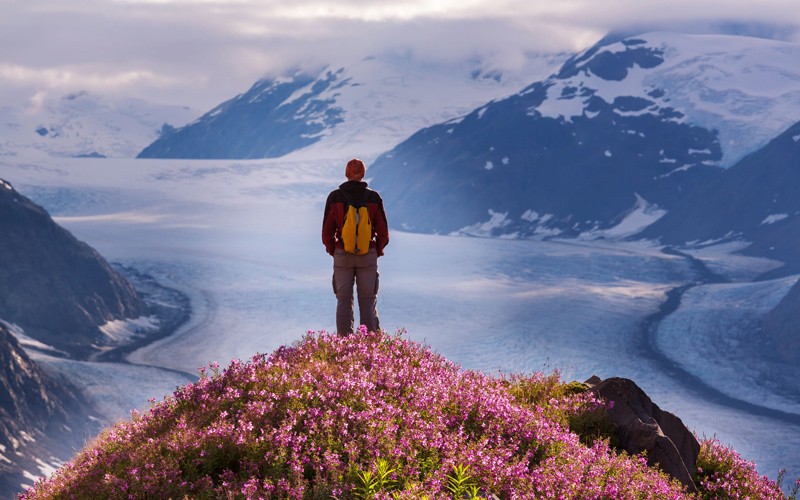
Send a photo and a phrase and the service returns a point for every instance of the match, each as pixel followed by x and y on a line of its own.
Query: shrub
pixel 365 416
pixel 722 473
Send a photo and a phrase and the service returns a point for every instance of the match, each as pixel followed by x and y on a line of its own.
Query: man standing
pixel 354 265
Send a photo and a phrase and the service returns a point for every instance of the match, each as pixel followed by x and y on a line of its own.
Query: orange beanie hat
pixel 355 170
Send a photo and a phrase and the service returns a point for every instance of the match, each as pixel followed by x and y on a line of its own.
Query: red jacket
pixel 334 216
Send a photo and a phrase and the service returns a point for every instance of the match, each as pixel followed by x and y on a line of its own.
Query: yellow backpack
pixel 357 228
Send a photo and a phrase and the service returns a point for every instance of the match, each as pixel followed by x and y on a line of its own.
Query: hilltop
pixel 379 416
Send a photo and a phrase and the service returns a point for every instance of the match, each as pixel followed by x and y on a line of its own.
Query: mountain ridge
pixel 43 267
pixel 613 129
pixel 365 106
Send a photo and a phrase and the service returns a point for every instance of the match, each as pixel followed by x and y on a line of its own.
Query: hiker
pixel 354 232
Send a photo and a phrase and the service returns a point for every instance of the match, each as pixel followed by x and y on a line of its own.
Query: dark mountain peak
pixel 274 117
pixel 57 288
pixel 612 58
pixel 17 207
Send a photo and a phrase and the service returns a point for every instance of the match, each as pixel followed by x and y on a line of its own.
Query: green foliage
pixel 594 425
pixel 568 403
pixel 574 387
pixel 369 483
pixel 461 483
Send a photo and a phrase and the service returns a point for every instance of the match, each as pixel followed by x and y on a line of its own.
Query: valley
pixel 241 240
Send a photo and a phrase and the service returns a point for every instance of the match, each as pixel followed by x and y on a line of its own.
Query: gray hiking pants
pixel 361 270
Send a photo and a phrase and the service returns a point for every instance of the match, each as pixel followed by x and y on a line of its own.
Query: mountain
pixel 757 200
pixel 619 135
pixel 39 418
pixel 361 108
pixel 56 288
pixel 85 124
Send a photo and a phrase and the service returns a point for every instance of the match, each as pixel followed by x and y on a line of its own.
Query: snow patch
pixel 486 229
pixel 607 153
pixel 505 160
pixel 47 469
pixel 6 185
pixel 30 477
pixel 489 165
pixel 772 219
pixel 533 216
pixel 296 95
pixel 555 106
pixel 674 171
pixel 641 215
pixel 28 342
pixel 796 138
pixel 529 215
pixel 124 330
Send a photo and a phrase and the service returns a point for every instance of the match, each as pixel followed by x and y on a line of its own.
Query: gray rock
pixel 644 427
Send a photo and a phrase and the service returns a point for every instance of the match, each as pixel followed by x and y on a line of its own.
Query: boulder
pixel 644 427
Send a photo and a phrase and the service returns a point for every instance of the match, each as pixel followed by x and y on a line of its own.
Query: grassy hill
pixel 376 415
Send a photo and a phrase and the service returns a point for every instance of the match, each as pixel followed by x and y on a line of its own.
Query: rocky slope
pixel 56 288
pixel 756 200
pixel 40 417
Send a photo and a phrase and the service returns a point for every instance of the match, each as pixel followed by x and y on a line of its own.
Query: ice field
pixel 242 240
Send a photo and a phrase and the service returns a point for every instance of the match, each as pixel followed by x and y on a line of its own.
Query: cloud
pixel 201 52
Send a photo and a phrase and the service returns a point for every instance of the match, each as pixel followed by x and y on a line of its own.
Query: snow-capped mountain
pixel 86 124
pixel 757 200
pixel 604 146
pixel 358 109
pixel 746 89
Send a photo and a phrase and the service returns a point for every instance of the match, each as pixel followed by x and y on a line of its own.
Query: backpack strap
pixel 350 200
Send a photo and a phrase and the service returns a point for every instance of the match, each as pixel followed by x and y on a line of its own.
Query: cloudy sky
pixel 202 52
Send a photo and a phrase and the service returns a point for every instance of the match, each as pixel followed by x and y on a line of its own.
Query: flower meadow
pixel 375 415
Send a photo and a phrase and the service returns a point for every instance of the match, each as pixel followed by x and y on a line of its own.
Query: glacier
pixel 241 239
